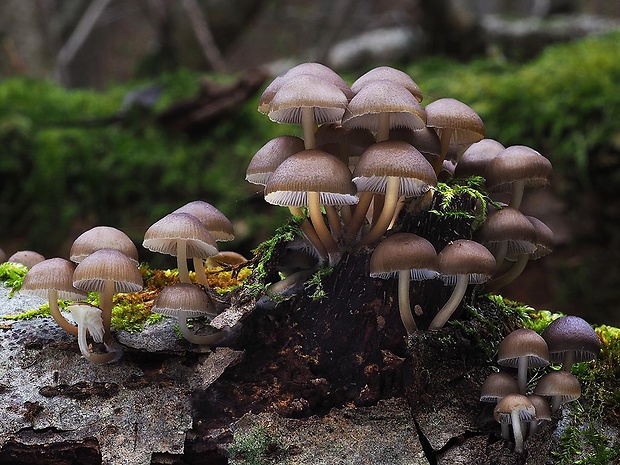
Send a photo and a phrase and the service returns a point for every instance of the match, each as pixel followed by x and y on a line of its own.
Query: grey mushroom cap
pixel 465 257
pixel 389 74
pixel 102 237
pixel 185 297
pixel 163 236
pixel 511 227
pixel 559 384
pixel 105 265
pixel 269 156
pixel 571 333
pixel 498 385
pixel 214 220
pixel 477 157
pixel 52 274
pixel 523 342
pixel 404 251
pixel 518 163
pixel 28 258
pixel 449 113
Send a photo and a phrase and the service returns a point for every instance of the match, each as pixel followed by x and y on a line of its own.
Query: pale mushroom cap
pixel 571 333
pixel 390 74
pixel 52 274
pixel 518 163
pixel 477 157
pixel 227 258
pixel 269 156
pixel 90 317
pixel 28 258
pixel 184 297
pixel 404 251
pixel 504 408
pixel 394 158
pixel 102 237
pixel 379 97
pixel 163 236
pixel 560 384
pixel 104 265
pixel 465 257
pixel 311 171
pixel 321 71
pixel 214 220
pixel 508 225
pixel 307 91
pixel 523 342
pixel 266 97
pixel 497 385
pixel 449 113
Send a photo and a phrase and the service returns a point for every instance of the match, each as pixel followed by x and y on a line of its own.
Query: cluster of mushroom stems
pixel 368 147
pixel 521 401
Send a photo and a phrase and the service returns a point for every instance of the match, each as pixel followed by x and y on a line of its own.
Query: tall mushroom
pixel 460 263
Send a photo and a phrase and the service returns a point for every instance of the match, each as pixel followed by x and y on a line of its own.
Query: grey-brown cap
pixel 477 157
pixel 269 156
pixel 497 385
pixel 102 237
pixel 518 163
pixel 571 334
pixel 311 171
pixel 561 385
pixel 28 258
pixel 323 72
pixel 52 274
pixel 388 73
pixel 523 342
pixel 185 297
pixel 107 265
pixel 214 220
pixel 465 257
pixel 164 235
pixel 404 251
pixel 450 113
pixel 541 406
pixel 425 140
pixel 398 159
pixel 545 240
pixel 510 227
pixel 511 402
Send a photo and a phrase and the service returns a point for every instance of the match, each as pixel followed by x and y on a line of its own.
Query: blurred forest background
pixel 116 112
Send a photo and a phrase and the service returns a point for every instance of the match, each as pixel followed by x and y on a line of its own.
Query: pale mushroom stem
pixel 314 207
pixel 309 231
pixel 522 374
pixel 359 214
pixel 404 304
pixel 182 261
pixel 444 139
pixel 500 254
pixel 509 276
pixel 383 130
pixel 450 306
pixel 517 431
pixel 105 303
pixel 207 339
pixel 334 221
pixel 52 297
pixel 345 214
pixel 91 357
pixel 517 194
pixel 199 268
pixel 387 212
pixel 307 122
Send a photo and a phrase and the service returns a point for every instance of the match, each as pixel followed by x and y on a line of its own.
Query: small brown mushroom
pixel 561 386
pixel 28 258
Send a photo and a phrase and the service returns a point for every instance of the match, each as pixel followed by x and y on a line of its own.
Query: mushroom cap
pixel 508 225
pixel 226 258
pixel 2 256
pixel 559 383
pixel 476 158
pixel 52 274
pixel 523 342
pixel 163 236
pixel 379 97
pixel 571 333
pixel 185 297
pixel 105 265
pixel 449 113
pixel 404 251
pixel 28 258
pixel 264 102
pixel 387 73
pixel 214 220
pixel 394 158
pixel 507 404
pixel 518 163
pixel 321 71
pixel 311 171
pixel 425 140
pixel 545 241
pixel 102 237
pixel 89 316
pixel 465 257
pixel 269 156
pixel 541 406
pixel 307 91
pixel 497 385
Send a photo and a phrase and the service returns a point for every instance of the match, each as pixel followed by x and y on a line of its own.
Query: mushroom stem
pixel 383 130
pixel 387 212
pixel 568 361
pixel 509 276
pixel 556 401
pixel 182 261
pixel 450 306
pixel 444 139
pixel 191 336
pixel 307 122
pixel 52 297
pixel 201 275
pixel 105 303
pixel 309 231
pixel 334 221
pixel 359 214
pixel 516 430
pixel 91 357
pixel 325 236
pixel 517 194
pixel 500 254
pixel 404 305
pixel 522 375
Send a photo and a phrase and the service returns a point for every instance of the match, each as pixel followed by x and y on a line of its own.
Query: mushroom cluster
pixel 523 402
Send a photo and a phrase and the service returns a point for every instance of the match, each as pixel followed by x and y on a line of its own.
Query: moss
pixel 316 282
pixel 586 446
pixel 12 274
pixel 256 447
pixel 42 311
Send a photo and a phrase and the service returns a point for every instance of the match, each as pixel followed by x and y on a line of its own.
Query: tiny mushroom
pixel 571 339
pixel 514 409
pixel 461 262
pixel 102 237
pixel 28 258
pixel 523 348
pixel 52 279
pixel 497 385
pixel 561 386
pixel 88 318
pixel 543 412
pixel 185 301
pixel 410 257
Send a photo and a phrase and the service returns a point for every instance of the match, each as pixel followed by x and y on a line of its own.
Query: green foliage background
pixel 62 173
